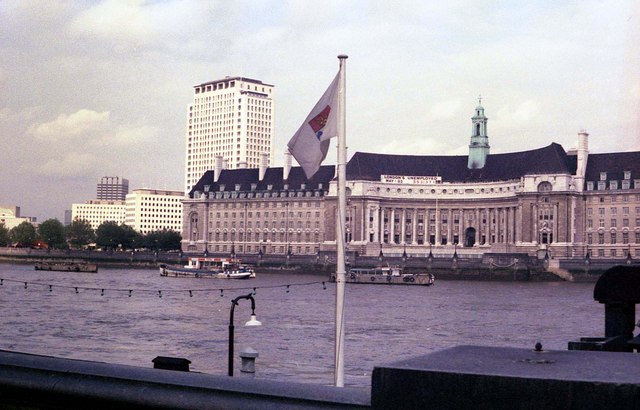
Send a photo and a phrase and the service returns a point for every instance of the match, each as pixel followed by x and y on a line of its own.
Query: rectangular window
pixel 614 238
pixel 601 238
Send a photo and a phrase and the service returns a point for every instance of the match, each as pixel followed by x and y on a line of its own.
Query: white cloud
pixel 78 124
pixel 517 116
pixel 444 110
pixel 132 136
pixel 70 165
pixel 117 20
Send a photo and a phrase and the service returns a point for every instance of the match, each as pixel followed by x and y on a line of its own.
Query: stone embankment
pixel 490 267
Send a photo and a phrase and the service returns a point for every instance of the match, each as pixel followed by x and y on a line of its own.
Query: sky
pixel 101 88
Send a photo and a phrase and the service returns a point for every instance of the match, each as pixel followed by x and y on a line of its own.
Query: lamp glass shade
pixel 253 321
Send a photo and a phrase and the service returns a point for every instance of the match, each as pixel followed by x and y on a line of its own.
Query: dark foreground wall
pixel 40 382
pixel 474 377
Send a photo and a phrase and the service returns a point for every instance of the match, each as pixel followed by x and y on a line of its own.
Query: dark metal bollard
pixel 171 363
pixel 619 290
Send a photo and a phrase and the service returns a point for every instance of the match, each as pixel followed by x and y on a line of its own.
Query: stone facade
pixel 542 202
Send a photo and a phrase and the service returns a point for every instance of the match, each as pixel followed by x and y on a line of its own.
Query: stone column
pixel 450 227
pixel 403 219
pixel 478 224
pixel 487 227
pixel 534 217
pixel 414 237
pixel 438 225
pixel 555 223
pixel 518 224
pixel 392 227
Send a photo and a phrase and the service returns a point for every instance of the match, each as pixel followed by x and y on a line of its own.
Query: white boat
pixel 209 267
pixel 387 275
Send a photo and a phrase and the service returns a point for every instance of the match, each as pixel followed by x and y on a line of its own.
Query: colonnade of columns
pixel 442 225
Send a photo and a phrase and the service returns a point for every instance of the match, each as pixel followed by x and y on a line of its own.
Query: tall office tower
pixel 232 118
pixel 113 189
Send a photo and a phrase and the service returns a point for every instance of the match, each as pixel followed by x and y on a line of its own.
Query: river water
pixel 130 316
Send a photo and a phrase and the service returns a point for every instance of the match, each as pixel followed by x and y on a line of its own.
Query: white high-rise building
pixel 97 211
pixel 150 210
pixel 232 118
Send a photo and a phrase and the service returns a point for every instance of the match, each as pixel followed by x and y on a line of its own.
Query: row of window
pixel 613 237
pixel 613 185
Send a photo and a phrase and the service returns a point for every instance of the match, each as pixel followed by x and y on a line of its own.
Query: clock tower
pixel 479 146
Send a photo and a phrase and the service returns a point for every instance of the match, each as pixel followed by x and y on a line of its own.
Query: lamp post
pixel 252 322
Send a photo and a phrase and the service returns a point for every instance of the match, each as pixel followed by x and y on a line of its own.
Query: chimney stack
pixel 287 165
pixel 264 163
pixel 217 168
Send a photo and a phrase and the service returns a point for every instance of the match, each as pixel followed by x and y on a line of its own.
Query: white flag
pixel 310 143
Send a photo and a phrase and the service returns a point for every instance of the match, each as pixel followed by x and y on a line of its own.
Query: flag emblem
pixel 318 122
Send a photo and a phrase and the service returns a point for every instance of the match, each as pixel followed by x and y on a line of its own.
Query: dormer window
pixel 206 188
pixel 613 185
pixel 286 187
pixel 627 174
pixel 303 186
pixel 221 187
pixel 589 185
pixel 254 186
pixel 603 176
pixel 545 186
pixel 238 187
pixel 319 186
pixel 269 187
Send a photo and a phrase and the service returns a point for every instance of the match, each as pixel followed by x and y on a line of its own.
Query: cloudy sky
pixel 96 88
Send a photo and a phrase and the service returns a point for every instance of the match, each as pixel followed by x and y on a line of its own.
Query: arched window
pixel 478 129
pixel 544 186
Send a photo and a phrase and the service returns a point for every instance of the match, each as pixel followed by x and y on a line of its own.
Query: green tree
pixel 4 235
pixel 51 232
pixel 164 240
pixel 110 235
pixel 23 234
pixel 80 233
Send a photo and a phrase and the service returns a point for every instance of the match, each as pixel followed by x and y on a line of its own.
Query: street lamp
pixel 252 322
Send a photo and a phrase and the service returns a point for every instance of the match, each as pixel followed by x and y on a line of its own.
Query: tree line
pixel 110 235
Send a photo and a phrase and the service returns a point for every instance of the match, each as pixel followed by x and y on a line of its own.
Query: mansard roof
pixel 547 160
pixel 614 164
pixel 229 178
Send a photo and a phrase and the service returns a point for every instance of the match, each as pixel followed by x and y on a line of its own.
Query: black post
pixel 234 302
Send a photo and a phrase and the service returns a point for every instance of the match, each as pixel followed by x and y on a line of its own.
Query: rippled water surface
pixel 296 341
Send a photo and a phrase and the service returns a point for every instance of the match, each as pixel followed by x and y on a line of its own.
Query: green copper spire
pixel 479 146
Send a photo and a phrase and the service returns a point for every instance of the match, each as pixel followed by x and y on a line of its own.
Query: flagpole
pixel 340 221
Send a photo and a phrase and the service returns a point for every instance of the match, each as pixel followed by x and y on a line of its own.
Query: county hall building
pixel 546 200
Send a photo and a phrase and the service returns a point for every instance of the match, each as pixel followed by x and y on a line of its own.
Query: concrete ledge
pixel 32 381
pixel 474 377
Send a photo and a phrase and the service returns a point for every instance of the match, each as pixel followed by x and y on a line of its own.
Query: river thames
pixel 130 316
